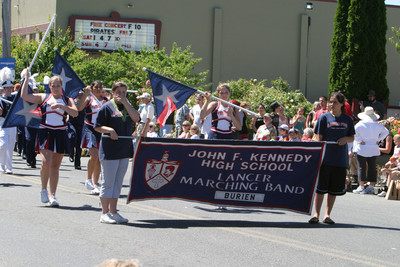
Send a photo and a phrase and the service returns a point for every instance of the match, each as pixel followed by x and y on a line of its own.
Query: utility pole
pixel 6 31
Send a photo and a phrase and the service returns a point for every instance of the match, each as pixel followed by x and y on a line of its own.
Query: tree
pixel 358 62
pixel 396 43
pixel 339 48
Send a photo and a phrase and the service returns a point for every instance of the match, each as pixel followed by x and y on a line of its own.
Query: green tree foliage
pixel 362 66
pixel 23 51
pixel 339 48
pixel 128 66
pixel 396 39
pixel 254 92
pixel 179 65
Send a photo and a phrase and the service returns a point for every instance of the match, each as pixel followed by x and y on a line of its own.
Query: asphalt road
pixel 182 233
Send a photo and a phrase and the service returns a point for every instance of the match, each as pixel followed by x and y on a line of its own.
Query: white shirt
pixel 369 132
pixel 147 112
pixel 195 111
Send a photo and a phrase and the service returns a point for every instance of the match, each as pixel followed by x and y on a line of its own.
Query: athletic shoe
pixel 3 168
pixel 118 218
pixel 358 190
pixel 106 218
pixel 44 196
pixel 382 194
pixel 368 190
pixel 9 172
pixel 96 190
pixel 53 201
pixel 89 184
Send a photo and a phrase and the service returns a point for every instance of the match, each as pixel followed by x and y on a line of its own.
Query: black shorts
pixel 332 180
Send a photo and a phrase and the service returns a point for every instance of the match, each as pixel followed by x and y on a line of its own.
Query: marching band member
pixel 52 133
pixel 115 118
pixel 7 135
pixel 90 137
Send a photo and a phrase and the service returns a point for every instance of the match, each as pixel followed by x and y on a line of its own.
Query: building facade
pixel 254 39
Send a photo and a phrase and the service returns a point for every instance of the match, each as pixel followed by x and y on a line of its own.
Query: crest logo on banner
pixel 159 173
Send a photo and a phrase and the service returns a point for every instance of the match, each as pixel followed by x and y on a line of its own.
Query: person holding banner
pixel 91 101
pixel 223 115
pixel 335 126
pixel 52 133
pixel 115 119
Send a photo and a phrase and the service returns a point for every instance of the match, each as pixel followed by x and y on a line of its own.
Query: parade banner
pixel 266 174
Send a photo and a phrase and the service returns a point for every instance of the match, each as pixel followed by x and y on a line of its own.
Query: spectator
pixel 368 134
pixel 283 132
pixel 235 132
pixel 282 118
pixel 244 133
pixel 194 132
pixel 146 115
pixel 275 107
pixel 324 109
pixel 259 120
pixel 152 130
pixel 311 115
pixel 392 164
pixel 186 130
pixel 294 134
pixel 376 105
pixel 308 135
pixel 267 131
pixel 182 114
pixel 299 120
pixel 196 109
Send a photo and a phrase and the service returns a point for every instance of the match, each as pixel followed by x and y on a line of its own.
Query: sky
pixel 393 2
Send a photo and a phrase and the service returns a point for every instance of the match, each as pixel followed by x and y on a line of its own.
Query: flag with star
pixel 72 83
pixel 22 113
pixel 168 95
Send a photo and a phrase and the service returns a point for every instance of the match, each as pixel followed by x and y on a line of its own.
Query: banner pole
pixel 42 42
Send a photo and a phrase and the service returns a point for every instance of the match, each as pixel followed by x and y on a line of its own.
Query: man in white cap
pixel 146 115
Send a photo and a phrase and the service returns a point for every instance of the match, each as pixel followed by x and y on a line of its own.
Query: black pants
pixel 363 174
pixel 30 145
pixel 21 140
pixel 75 143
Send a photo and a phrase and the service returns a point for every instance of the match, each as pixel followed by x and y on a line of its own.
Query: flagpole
pixel 128 91
pixel 41 43
pixel 216 98
pixel 122 136
pixel 6 101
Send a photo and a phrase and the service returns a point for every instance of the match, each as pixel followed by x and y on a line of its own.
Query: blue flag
pixel 72 83
pixel 168 94
pixel 22 113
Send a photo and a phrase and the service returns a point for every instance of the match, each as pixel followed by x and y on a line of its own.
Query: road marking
pixel 293 243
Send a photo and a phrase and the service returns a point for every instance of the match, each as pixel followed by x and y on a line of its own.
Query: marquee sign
pixel 99 33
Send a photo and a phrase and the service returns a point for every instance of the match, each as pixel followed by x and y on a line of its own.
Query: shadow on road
pixel 14 185
pixel 81 208
pixel 183 224
pixel 238 211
